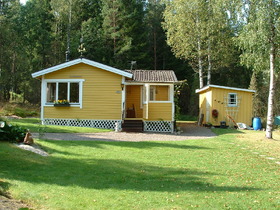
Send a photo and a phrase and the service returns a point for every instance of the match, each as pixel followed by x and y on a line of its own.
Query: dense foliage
pixel 11 133
pixel 43 33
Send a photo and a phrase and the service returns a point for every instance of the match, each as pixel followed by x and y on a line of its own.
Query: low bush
pixel 21 110
pixel 11 133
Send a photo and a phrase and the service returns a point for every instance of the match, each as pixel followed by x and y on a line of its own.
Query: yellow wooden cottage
pixel 101 96
pixel 225 104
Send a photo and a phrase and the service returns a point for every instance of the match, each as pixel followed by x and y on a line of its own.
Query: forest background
pixel 41 33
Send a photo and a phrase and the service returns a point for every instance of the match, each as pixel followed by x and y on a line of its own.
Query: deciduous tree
pixel 259 40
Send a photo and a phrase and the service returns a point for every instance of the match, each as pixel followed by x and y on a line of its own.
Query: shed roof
pixel 223 87
pixel 153 76
pixel 85 61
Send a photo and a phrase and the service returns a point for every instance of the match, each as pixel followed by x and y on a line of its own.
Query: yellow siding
pixel 133 96
pixel 160 111
pixel 162 93
pixel 219 102
pixel 101 94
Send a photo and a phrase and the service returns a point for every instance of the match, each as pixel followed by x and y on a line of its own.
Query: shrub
pixel 21 110
pixel 11 133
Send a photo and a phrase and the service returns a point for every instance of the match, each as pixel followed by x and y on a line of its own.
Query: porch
pixel 148 107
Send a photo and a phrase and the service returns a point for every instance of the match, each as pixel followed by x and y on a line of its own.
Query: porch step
pixel 132 126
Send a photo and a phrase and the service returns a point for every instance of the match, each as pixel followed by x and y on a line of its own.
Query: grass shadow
pixel 107 173
pixel 225 131
pixel 124 144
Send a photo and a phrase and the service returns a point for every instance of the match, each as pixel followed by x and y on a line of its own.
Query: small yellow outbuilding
pixel 86 93
pixel 221 104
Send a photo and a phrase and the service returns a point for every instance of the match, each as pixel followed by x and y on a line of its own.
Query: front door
pixel 134 101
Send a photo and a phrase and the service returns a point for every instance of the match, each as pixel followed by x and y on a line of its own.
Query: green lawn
pixel 35 126
pixel 218 173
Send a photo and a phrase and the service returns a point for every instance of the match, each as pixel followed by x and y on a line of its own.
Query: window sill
pixel 61 105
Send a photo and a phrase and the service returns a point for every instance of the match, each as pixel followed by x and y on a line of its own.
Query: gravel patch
pixel 33 148
pixel 189 132
pixel 11 204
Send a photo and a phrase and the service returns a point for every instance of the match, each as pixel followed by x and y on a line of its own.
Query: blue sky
pixel 23 1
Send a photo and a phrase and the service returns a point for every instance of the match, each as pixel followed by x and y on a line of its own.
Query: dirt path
pixel 189 132
pixel 11 204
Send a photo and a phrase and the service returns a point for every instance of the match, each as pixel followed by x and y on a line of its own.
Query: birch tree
pixel 259 40
pixel 196 31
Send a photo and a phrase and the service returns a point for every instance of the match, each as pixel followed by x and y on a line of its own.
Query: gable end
pixel 78 61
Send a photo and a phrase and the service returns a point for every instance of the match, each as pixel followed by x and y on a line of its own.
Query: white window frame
pixel 229 100
pixel 68 81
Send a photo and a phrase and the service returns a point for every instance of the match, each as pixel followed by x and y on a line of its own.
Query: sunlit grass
pixel 35 126
pixel 207 174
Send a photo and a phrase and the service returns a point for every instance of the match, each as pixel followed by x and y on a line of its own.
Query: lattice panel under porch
pixel 159 126
pixel 105 124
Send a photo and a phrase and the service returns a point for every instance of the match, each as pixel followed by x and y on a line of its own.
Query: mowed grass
pixel 216 173
pixel 35 126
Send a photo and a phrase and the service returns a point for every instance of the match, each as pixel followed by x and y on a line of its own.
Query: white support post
pixel 43 97
pixel 147 87
pixel 123 105
pixel 171 98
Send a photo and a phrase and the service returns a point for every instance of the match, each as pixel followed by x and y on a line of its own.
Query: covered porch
pixel 152 104
pixel 148 97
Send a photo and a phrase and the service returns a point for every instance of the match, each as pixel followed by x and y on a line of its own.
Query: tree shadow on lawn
pixel 138 145
pixel 224 131
pixel 90 173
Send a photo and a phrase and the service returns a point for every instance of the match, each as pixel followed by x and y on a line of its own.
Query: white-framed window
pixel 232 99
pixel 70 90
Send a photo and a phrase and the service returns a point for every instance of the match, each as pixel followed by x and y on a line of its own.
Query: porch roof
pixel 166 76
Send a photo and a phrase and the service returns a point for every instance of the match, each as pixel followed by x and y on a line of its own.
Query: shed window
pixel 232 99
pixel 69 91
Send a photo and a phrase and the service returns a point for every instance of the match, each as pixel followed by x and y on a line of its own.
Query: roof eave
pixel 85 61
pixel 127 81
pixel 223 87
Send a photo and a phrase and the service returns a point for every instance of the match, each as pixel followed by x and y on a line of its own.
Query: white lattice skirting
pixel 149 126
pixel 105 124
pixel 159 126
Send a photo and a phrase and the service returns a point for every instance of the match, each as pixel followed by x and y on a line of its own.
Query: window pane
pixel 62 91
pixel 152 92
pixel 51 92
pixel 232 101
pixel 74 92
